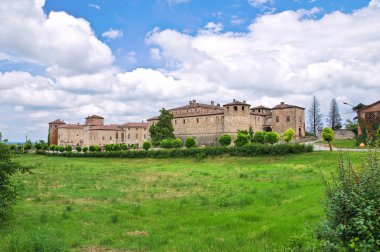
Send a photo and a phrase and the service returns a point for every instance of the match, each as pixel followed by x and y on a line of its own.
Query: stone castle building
pixel 94 132
pixel 206 122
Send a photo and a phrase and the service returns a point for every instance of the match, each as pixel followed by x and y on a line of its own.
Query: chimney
pixel 234 100
pixel 194 101
pixel 244 101
pixel 218 104
pixel 212 103
pixel 282 103
pixel 189 102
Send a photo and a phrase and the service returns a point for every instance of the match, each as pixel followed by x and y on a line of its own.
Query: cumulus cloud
pixel 113 34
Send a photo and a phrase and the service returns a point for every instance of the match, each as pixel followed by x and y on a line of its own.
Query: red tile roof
pixel 71 126
pixel 135 124
pixel 58 121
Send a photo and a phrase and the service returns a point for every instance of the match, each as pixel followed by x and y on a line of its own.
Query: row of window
pixel 287 119
pixel 197 119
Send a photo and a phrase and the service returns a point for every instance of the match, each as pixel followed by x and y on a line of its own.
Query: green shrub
pixel 116 147
pixel 288 135
pixel 52 148
pixel 61 149
pixel 190 142
pixel 166 144
pixel 28 146
pixel 38 146
pixel 78 148
pixel 134 146
pixel 147 145
pixel 225 140
pixel 94 148
pixel 259 137
pixel 108 147
pixel 177 143
pixel 328 135
pixel 85 149
pixel 272 137
pixel 68 148
pixel 45 147
pixel 56 148
pixel 242 138
pixel 352 216
pixel 124 147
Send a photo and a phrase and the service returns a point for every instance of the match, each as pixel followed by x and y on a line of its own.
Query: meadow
pixel 213 204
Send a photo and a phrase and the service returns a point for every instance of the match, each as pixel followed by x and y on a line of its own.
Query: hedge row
pixel 249 150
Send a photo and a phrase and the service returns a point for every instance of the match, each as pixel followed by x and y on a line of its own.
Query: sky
pixel 126 59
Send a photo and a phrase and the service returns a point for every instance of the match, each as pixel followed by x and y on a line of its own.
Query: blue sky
pixel 125 60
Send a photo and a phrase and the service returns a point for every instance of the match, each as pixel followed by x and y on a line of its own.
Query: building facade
pixel 94 132
pixel 206 122
pixel 369 118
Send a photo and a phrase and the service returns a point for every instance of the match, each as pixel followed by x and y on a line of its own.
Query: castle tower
pixel 236 117
pixel 94 120
pixel 53 131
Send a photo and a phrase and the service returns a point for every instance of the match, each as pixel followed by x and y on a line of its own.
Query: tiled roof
pixel 261 107
pixel 58 121
pixel 94 116
pixel 196 105
pixel 135 124
pixel 283 105
pixel 107 127
pixel 367 106
pixel 71 126
pixel 236 103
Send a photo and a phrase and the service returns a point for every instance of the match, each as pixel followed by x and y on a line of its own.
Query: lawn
pixel 219 204
pixel 341 143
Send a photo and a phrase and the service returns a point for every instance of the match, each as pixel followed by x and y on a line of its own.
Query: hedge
pixel 249 150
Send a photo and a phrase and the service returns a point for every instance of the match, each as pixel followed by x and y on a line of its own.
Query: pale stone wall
pixel 285 118
pixel 70 136
pixel 236 118
pixel 135 135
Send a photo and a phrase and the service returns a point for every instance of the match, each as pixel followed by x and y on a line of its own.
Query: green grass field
pixel 220 204
pixel 341 143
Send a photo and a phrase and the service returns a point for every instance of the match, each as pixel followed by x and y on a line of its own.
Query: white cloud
pixel 374 3
pixel 260 3
pixel 236 20
pixel 212 27
pixel 155 53
pixel 113 34
pixel 175 2
pixel 28 34
pixel 95 6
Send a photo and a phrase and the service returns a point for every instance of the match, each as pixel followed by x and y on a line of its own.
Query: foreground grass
pixel 221 204
pixel 341 143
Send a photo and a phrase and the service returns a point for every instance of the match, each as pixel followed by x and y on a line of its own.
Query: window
pixel 277 119
pixel 117 135
pixel 110 138
pixel 175 122
pixel 137 136
pixel 130 128
pixel 288 118
pixel 144 136
pixel 129 136
pixel 300 119
pixel 122 137
pixel 59 136
pixel 197 120
pixel 103 138
pixel 242 108
pixel 235 108
pixel 184 121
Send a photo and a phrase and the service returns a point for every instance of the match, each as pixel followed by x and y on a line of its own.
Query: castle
pixel 206 122
pixel 94 132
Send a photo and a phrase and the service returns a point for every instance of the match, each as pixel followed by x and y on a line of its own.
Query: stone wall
pixel 285 118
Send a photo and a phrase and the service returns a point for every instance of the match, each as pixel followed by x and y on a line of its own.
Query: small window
pixel 277 119
pixel 184 121
pixel 130 128
pixel 122 137
pixel 103 138
pixel 175 122
pixel 137 136
pixel 288 118
pixel 242 108
pixel 59 136
pixel 197 120
pixel 110 138
pixel 129 136
pixel 235 108
pixel 117 135
pixel 144 136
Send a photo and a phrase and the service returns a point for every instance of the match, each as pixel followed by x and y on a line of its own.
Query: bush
pixel 108 147
pixel 328 135
pixel 85 149
pixel 61 149
pixel 52 148
pixel 242 138
pixel 116 147
pixel 124 147
pixel 177 143
pixel 288 135
pixel 68 148
pixel 166 144
pixel 78 148
pixel 225 140
pixel 147 145
pixel 134 146
pixel 8 190
pixel 94 148
pixel 190 142
pixel 272 137
pixel 56 148
pixel 259 137
pixel 38 146
pixel 352 207
pixel 27 146
pixel 45 147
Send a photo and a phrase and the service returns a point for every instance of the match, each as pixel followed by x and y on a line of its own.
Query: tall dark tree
pixel 163 129
pixel 334 119
pixel 315 117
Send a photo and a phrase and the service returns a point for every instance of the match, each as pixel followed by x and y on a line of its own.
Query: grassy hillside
pixel 221 204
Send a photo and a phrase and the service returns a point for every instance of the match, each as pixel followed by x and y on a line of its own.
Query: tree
pixel 78 148
pixel 328 135
pixel 225 140
pixel 190 142
pixel 272 137
pixel 177 143
pixel 251 134
pixel 166 144
pixel 334 119
pixel 8 190
pixel 352 126
pixel 85 149
pixel 288 135
pixel 147 145
pixel 68 148
pixel 241 138
pixel 315 116
pixel 163 129
pixel 259 137
pixel 1 136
